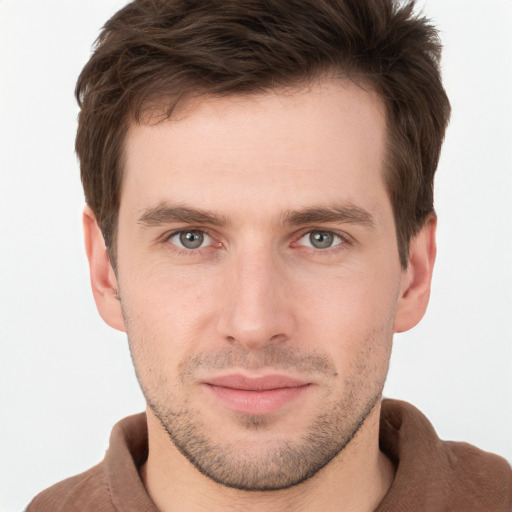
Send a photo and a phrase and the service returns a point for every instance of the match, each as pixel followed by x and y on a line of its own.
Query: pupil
pixel 191 239
pixel 321 240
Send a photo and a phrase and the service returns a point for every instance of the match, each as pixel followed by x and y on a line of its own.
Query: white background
pixel 66 378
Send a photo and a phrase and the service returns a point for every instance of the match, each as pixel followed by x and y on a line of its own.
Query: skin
pixel 258 178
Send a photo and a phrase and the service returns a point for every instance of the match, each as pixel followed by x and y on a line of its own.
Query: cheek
pixel 355 297
pixel 166 314
pixel 164 295
pixel 352 315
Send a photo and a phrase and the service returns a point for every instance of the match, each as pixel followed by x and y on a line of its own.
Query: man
pixel 260 222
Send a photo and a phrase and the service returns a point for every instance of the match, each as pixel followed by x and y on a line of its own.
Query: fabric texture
pixel 431 475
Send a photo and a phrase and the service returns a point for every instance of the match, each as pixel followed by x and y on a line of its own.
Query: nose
pixel 257 307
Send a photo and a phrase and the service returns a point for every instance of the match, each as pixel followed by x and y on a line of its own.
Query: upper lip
pixel 264 383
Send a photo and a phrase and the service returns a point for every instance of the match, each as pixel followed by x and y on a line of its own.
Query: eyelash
pixel 190 252
pixel 345 240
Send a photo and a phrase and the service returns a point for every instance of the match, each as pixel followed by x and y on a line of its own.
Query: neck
pixel 356 480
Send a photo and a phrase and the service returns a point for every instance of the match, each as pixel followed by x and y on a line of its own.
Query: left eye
pixel 321 239
pixel 193 239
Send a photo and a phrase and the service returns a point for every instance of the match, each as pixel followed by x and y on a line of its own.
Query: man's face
pixel 259 275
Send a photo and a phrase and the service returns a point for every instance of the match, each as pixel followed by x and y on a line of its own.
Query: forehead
pixel 286 144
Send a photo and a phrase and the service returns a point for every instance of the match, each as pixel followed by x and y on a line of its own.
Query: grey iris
pixel 321 239
pixel 191 239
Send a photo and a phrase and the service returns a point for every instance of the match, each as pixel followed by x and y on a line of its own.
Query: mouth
pixel 256 395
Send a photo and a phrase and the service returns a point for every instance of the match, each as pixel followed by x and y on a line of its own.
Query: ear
pixel 103 279
pixel 416 279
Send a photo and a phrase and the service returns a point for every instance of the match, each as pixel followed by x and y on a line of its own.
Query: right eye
pixel 190 239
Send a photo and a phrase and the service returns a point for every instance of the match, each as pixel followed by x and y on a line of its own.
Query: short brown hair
pixel 158 51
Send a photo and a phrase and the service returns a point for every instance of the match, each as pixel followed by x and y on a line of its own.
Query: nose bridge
pixel 256 310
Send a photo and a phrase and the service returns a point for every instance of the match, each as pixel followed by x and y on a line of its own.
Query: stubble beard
pixel 279 463
pixel 279 466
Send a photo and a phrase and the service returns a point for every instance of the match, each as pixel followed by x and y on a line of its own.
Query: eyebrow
pixel 349 213
pixel 166 214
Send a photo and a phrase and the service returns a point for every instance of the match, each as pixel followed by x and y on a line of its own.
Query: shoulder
pixel 86 491
pixel 112 485
pixel 485 473
pixel 432 474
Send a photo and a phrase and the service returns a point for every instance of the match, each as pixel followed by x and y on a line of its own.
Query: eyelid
pixel 165 239
pixel 207 239
pixel 346 239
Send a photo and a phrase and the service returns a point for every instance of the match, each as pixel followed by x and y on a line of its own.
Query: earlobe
pixel 103 279
pixel 416 279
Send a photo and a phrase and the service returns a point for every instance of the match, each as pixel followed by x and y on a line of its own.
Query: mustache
pixel 274 357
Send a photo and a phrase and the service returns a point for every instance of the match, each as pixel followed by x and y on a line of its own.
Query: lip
pixel 256 395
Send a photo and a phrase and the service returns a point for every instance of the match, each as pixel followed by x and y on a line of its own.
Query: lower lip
pixel 256 402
